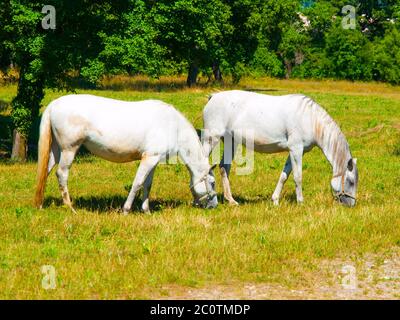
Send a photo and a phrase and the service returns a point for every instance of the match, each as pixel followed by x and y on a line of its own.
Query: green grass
pixel 100 254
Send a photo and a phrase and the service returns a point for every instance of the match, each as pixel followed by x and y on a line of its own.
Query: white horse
pixel 121 131
pixel 293 123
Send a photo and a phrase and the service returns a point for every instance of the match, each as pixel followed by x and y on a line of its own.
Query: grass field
pixel 179 251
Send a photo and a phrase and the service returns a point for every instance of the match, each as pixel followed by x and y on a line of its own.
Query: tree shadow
pixel 262 90
pixel 106 204
pixel 145 85
pixel 259 198
pixel 169 85
pixel 162 84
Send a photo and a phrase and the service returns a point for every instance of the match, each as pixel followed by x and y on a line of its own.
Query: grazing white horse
pixel 121 131
pixel 293 123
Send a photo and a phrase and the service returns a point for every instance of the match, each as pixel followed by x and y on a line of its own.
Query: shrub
pixel 267 63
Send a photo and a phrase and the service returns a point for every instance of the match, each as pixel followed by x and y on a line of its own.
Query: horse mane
pixel 329 137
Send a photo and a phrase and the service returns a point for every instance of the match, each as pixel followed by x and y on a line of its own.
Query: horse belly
pixel 275 147
pixel 264 142
pixel 116 153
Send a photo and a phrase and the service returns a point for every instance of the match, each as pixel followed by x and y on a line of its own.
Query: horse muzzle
pixel 347 201
pixel 208 201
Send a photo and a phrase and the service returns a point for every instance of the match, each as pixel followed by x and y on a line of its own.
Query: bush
pixel 349 53
pixel 387 56
pixel 314 66
pixel 267 63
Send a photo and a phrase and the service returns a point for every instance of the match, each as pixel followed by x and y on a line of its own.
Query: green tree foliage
pixel 348 54
pixel 364 53
pixel 24 45
pixel 91 39
pixel 386 57
pixel 278 38
pixel 129 45
pixel 193 31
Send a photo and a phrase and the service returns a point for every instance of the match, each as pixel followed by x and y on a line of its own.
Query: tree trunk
pixel 217 72
pixel 20 147
pixel 25 109
pixel 288 65
pixel 192 76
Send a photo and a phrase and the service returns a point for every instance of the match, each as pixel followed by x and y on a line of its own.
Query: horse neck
pixel 191 152
pixel 331 141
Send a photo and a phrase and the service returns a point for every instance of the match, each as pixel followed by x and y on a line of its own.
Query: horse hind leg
pixel 54 156
pixel 66 159
pixel 282 179
pixel 146 167
pixel 296 157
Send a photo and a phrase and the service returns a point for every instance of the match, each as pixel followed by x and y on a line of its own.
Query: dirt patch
pixel 373 277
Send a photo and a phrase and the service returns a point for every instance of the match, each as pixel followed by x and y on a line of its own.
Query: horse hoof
pixel 146 209
pixel 233 203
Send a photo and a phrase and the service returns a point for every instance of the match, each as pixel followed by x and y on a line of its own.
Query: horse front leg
pixel 296 158
pixel 287 169
pixel 225 168
pixel 146 166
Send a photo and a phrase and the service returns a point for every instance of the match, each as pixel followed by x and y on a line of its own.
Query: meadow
pixel 255 250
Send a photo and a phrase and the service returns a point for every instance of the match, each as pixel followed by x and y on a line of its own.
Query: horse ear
pixel 350 165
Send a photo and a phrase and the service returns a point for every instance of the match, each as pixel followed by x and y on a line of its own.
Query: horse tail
pixel 45 139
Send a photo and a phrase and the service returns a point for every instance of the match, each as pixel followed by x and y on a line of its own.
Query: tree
pixel 193 31
pixel 279 32
pixel 349 54
pixel 83 42
pixel 291 47
pixel 20 37
pixel 131 47
pixel 387 56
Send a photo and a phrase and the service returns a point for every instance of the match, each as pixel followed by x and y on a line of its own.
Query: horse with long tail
pixel 293 123
pixel 121 131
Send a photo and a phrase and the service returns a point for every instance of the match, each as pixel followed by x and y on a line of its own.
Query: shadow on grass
pixel 262 90
pixel 145 85
pixel 170 84
pixel 106 204
pixel 288 197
